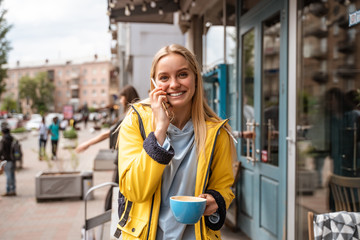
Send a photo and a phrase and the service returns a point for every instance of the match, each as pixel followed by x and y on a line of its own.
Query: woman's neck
pixel 181 118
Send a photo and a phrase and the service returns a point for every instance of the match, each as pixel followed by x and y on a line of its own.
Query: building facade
pixel 88 82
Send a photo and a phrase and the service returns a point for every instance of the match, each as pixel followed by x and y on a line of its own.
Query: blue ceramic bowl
pixel 187 209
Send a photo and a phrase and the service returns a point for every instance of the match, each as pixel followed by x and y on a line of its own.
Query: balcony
pixel 74 75
pixel 74 84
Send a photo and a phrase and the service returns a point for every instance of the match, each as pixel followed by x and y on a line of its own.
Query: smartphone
pixel 170 115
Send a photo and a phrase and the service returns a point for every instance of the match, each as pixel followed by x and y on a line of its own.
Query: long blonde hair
pixel 200 110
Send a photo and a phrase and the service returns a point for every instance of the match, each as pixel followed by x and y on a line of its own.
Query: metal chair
pixel 346 193
pixel 99 219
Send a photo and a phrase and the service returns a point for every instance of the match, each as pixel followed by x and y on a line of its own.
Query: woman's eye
pixel 163 78
pixel 183 75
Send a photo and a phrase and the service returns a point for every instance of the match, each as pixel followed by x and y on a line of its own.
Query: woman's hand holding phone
pixel 158 104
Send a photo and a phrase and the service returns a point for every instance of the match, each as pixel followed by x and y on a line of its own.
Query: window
pixel 103 93
pixel 85 82
pixel 94 92
pixel 103 81
pixel 94 81
pixel 84 92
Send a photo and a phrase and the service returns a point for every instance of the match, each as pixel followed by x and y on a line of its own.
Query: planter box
pixel 105 159
pixel 69 142
pixel 59 185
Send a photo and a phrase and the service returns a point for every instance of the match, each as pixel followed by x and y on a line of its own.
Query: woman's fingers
pixel 211 205
pixel 158 100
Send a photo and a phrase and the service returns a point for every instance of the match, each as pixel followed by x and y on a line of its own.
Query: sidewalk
pixel 23 218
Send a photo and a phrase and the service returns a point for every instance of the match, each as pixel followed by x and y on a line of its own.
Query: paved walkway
pixel 23 218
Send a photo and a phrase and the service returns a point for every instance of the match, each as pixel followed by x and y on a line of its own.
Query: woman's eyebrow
pixel 179 70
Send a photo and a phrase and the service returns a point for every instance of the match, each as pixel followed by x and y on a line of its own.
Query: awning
pixel 140 11
pixel 162 11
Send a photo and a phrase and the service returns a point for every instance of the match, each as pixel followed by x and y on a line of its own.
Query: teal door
pixel 263 87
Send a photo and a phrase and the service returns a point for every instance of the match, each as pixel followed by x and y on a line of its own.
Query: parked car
pixel 35 116
pixel 14 123
pixel 33 124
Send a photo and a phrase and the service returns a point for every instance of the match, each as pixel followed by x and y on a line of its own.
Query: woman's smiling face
pixel 175 77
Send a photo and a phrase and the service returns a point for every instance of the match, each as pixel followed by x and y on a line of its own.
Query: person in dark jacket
pixel 6 154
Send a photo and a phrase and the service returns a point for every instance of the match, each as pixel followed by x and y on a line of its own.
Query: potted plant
pixel 70 138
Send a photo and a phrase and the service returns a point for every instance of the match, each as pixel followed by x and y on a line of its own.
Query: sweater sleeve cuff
pixel 156 152
pixel 220 213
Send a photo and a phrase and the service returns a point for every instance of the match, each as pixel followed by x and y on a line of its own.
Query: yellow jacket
pixel 140 175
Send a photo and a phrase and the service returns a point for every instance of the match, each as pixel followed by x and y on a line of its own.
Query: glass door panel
pixel 270 90
pixel 248 62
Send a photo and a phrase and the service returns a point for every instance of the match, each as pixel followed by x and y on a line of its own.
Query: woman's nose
pixel 174 83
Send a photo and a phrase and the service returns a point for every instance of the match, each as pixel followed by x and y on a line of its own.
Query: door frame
pixel 244 25
pixel 292 100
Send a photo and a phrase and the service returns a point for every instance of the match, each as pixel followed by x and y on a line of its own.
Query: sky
pixel 57 29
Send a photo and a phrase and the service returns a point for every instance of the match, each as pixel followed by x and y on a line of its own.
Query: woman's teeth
pixel 176 94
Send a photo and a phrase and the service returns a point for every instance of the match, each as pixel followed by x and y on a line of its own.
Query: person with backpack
pixel 7 154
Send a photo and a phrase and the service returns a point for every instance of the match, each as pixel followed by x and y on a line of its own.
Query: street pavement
pixel 22 217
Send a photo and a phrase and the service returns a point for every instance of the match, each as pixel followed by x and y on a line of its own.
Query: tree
pixel 4 48
pixel 39 90
pixel 8 104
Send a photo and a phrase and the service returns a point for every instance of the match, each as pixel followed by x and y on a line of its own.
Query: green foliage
pixel 19 130
pixel 74 159
pixel 39 90
pixel 8 104
pixel 70 133
pixel 4 48
pixel 92 109
pixel 105 125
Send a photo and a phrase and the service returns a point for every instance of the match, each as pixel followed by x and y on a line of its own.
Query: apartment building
pixel 90 81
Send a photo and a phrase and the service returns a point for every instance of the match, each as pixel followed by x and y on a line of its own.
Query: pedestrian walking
pixel 7 154
pixel 43 134
pixel 85 114
pixel 54 130
pixel 188 151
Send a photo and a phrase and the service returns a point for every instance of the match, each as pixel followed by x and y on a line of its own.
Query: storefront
pixel 293 77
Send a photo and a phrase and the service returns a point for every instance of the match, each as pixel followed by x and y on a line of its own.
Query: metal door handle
pixel 269 125
pixel 250 126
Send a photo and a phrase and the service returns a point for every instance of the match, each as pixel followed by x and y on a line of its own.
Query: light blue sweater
pixel 178 179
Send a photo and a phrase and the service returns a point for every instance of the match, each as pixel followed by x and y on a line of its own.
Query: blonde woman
pixel 187 151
